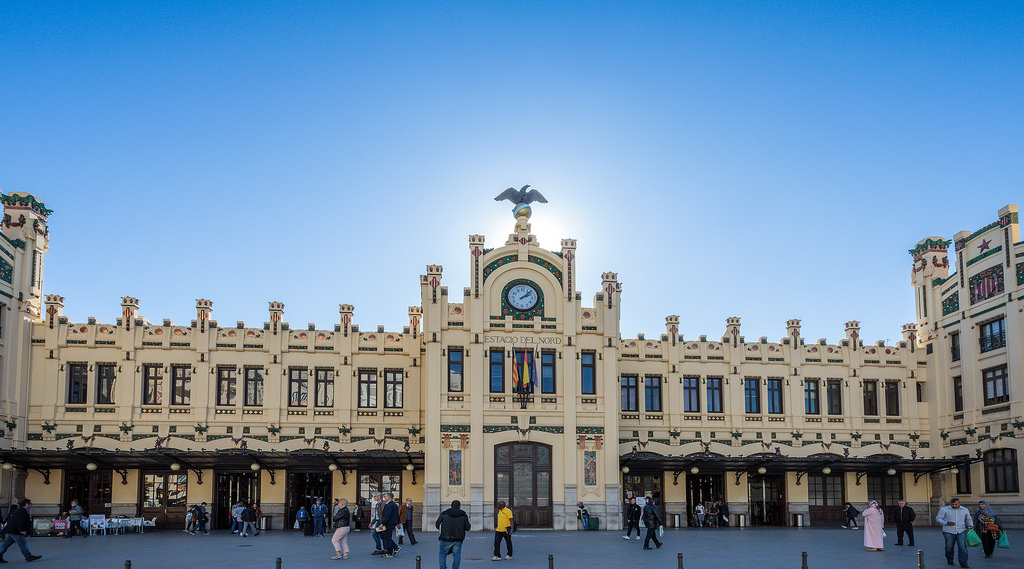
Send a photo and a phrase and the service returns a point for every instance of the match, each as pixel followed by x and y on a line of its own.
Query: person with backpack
pixel 652 521
pixel 453 524
pixel 200 518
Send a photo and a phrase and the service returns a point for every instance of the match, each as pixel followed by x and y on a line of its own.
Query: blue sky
pixel 762 160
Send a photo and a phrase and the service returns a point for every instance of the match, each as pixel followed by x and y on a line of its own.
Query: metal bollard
pixel 278 566
pixel 551 561
pixel 679 556
pixel 804 564
pixel 127 564
pixel 417 562
pixel 920 559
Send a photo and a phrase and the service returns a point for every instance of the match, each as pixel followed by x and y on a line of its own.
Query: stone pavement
pixel 760 548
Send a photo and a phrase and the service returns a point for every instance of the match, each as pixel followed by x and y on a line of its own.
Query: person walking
pixel 375 505
pixel 357 518
pixel 699 512
pixel 16 531
pixel 236 517
pixel 248 520
pixel 319 513
pixel 851 516
pixel 301 519
pixel 989 527
pixel 405 514
pixel 503 531
pixel 342 522
pixel 723 515
pixel 390 520
pixel 632 518
pixel 453 524
pixel 74 515
pixel 955 521
pixel 873 521
pixel 257 515
pixel 904 518
pixel 652 521
pixel 583 515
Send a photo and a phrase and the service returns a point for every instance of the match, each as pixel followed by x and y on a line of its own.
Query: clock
pixel 522 297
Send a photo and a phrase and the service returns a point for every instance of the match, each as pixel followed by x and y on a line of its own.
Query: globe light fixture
pixel 625 470
pixel 91 466
pixel 332 467
pixel 694 470
pixel 175 466
pixel 7 466
pixel 761 470
pixel 826 470
pixel 891 471
pixel 254 466
pixel 410 467
pixel 953 470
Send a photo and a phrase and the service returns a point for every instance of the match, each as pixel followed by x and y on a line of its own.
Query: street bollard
pixel 418 562
pixel 804 564
pixel 920 559
pixel 278 566
pixel 679 557
pixel 551 561
pixel 127 564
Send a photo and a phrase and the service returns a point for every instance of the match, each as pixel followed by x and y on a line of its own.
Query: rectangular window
pixel 920 392
pixel 775 396
pixel 629 395
pixel 78 379
pixel 892 398
pixel 181 385
pixel 811 397
pixel 691 394
pixel 652 393
pixel 996 389
pixel 497 369
pixel 394 388
pixel 253 387
pixel 993 335
pixel 963 478
pixel 455 370
pixel 152 384
pixel 954 346
pixel 1001 471
pixel 588 381
pixel 958 394
pixel 547 372
pixel 714 394
pixel 871 397
pixel 226 385
pixel 752 395
pixel 106 375
pixel 298 387
pixel 368 388
pixel 324 388
pixel 834 397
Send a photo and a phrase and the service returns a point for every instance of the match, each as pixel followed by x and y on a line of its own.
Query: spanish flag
pixel 526 370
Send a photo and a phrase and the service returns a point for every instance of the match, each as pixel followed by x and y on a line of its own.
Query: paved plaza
pixel 761 548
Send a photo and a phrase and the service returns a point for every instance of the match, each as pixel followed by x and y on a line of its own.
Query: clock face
pixel 522 297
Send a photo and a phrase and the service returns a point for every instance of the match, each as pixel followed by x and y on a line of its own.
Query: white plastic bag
pixel 661 531
pixel 401 532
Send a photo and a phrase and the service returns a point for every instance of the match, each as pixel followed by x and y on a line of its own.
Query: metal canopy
pixel 778 463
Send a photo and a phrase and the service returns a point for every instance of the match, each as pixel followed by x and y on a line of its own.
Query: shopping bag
pixel 1003 541
pixel 296 526
pixel 401 532
pixel 972 539
pixel 661 531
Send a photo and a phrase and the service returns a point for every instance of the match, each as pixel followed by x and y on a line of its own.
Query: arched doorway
pixel 522 478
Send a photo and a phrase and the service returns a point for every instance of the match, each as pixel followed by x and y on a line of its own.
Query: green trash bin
pixel 594 523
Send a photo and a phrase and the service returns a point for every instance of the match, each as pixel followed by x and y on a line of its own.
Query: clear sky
pixel 767 160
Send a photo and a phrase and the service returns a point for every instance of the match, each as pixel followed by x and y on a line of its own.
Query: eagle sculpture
pixel 521 196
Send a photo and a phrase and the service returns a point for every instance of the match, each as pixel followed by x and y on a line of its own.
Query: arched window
pixel 1001 471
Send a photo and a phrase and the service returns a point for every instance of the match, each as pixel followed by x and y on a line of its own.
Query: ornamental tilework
pixel 500 261
pixel 951 304
pixel 1020 274
pixel 986 284
pixel 6 272
pixel 547 265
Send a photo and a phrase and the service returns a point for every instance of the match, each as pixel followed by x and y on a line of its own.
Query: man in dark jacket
pixel 453 523
pixel 632 519
pixel 390 520
pixel 16 530
pixel 652 520
pixel 904 517
pixel 851 516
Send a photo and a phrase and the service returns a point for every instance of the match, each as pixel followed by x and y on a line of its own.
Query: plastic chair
pixel 112 526
pixel 136 524
pixel 149 523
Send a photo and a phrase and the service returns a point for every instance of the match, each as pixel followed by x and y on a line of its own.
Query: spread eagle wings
pixel 521 196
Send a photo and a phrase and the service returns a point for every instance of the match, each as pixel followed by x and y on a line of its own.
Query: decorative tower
pixel 672 328
pixel 853 334
pixel 793 331
pixel 129 308
pixel 732 331
pixel 203 310
pixel 54 309
pixel 24 226
pixel 276 315
pixel 931 262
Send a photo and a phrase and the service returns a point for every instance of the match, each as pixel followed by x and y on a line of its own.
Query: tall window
pixel 181 385
pixel 752 395
pixel 588 382
pixel 691 394
pixel 497 369
pixel 78 379
pixel 892 398
pixel 629 395
pixel 367 388
pixel 547 372
pixel 775 396
pixel 324 396
pixel 298 387
pixel 811 406
pixel 152 384
pixel 963 478
pixel 106 374
pixel 455 370
pixel 253 387
pixel 1001 471
pixel 394 387
pixel 714 394
pixel 958 394
pixel 871 397
pixel 834 396
pixel 227 386
pixel 954 346
pixel 652 393
pixel 996 389
pixel 993 335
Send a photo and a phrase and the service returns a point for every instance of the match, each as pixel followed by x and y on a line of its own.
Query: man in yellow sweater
pixel 503 531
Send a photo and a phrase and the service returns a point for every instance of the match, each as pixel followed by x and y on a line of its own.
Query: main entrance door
pixel 91 489
pixel 703 489
pixel 370 482
pixel 826 498
pixel 768 500
pixel 522 478
pixel 232 487
pixel 303 490
pixel 886 490
pixel 164 496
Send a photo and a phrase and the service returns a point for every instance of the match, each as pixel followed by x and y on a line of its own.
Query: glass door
pixel 522 479
pixel 91 489
pixel 232 487
pixel 370 482
pixel 164 495
pixel 767 500
pixel 826 499
pixel 304 488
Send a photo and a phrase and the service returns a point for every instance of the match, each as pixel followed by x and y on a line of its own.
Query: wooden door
pixel 522 479
pixel 826 497
pixel 164 495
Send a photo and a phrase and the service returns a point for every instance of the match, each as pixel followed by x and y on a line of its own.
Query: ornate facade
pixel 515 389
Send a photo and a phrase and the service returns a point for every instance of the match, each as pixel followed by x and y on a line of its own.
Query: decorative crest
pixel 521 199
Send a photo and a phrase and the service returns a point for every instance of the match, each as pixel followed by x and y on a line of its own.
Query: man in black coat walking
pixel 904 516
pixel 652 519
pixel 16 530
pixel 453 523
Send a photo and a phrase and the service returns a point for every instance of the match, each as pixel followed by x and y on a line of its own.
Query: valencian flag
pixel 515 372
